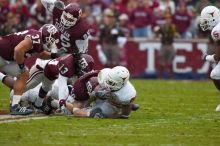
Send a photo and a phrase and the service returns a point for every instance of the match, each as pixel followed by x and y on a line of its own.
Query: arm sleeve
pixel 48 5
pixel 63 89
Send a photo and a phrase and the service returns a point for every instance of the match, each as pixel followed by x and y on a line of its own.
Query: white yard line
pixel 10 119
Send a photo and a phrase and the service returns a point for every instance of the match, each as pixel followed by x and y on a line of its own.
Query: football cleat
pixel 46 106
pixel 19 110
pixel 134 107
pixel 217 108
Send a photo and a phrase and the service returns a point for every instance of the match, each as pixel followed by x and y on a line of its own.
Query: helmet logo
pixel 212 13
pixel 123 79
pixel 51 29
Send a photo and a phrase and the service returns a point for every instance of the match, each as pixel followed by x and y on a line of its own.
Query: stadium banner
pixel 141 58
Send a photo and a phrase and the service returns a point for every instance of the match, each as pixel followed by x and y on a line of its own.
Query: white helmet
pixel 115 78
pixel 209 18
pixel 102 76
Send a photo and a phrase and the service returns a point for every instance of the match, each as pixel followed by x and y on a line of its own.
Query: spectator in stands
pixel 141 18
pixel 120 7
pixel 21 12
pixel 167 32
pixel 97 7
pixel 182 19
pixel 194 22
pixel 38 13
pixel 124 25
pixel 109 33
pixel 4 11
pixel 201 4
pixel 131 5
pixel 164 4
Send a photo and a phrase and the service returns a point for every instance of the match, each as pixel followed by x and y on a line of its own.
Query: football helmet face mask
pixel 85 64
pixel 116 78
pixel 71 14
pixel 209 18
pixel 50 36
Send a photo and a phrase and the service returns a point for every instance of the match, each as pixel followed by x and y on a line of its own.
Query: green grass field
pixel 172 113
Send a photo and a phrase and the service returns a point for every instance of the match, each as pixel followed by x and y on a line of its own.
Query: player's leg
pixel 19 85
pixel 45 88
pixel 36 76
pixel 215 76
pixel 7 80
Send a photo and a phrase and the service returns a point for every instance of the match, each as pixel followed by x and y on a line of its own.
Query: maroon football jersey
pixel 9 42
pixel 64 65
pixel 67 66
pixel 71 39
pixel 85 84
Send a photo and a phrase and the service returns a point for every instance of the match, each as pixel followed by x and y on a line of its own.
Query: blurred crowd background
pixel 136 18
pixel 111 21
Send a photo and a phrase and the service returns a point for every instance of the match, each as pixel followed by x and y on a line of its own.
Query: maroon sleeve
pixel 80 91
pixel 37 45
pixel 67 66
pixel 81 88
pixel 51 70
pixel 86 76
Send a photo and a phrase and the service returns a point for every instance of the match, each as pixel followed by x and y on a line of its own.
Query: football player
pixel 74 29
pixel 18 46
pixel 114 95
pixel 47 71
pixel 210 20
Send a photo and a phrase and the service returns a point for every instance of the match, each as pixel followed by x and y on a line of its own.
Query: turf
pixel 172 113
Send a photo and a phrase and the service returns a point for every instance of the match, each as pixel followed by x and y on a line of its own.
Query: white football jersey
pixel 125 95
pixel 216 32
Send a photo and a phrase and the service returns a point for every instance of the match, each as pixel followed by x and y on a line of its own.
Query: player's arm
pixel 49 5
pixel 76 111
pixel 215 34
pixel 59 53
pixel 125 111
pixel 44 55
pixel 20 51
pixel 63 91
pixel 217 53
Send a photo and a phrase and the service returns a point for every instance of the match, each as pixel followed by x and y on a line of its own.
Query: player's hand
pixel 209 58
pixel 103 94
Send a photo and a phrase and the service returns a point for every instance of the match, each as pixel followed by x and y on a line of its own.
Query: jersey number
pixel 63 69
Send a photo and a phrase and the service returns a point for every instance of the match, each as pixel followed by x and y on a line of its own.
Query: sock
pixel 2 76
pixel 38 102
pixel 55 104
pixel 16 99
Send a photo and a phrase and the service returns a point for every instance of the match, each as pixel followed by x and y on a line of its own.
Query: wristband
pixel 53 55
pixel 210 58
pixel 21 66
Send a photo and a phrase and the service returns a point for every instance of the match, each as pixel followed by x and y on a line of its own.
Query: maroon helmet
pixel 84 64
pixel 71 15
pixel 50 36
